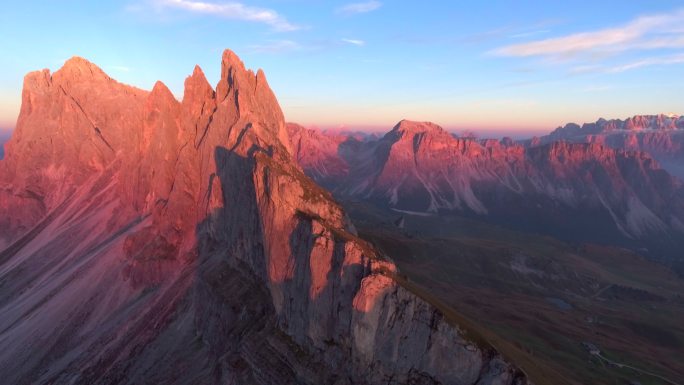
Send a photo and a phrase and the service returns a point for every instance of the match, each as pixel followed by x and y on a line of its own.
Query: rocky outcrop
pixel 579 191
pixel 148 240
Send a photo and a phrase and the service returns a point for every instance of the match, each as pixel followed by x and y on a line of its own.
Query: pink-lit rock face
pixel 150 240
pixel 428 336
pixel 586 191
pixel 320 154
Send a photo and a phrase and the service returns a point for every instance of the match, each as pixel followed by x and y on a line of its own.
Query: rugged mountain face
pixel 148 240
pixel 581 191
pixel 662 136
pixel 327 155
pixel 319 153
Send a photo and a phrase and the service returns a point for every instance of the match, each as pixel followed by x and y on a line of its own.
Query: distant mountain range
pixel 481 224
pixel 577 191
pixel 662 136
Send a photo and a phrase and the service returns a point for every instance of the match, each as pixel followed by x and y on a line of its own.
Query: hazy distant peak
pixel 410 126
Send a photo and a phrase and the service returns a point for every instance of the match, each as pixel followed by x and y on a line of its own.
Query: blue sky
pixel 503 66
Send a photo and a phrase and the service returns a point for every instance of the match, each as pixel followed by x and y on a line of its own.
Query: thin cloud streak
pixel 643 33
pixel 356 8
pixel 647 62
pixel 657 61
pixel 289 46
pixel 355 42
pixel 513 31
pixel 274 47
pixel 528 34
pixel 234 11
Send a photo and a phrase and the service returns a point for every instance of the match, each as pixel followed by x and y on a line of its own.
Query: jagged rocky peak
pixel 74 70
pixel 71 124
pixel 77 69
pixel 255 97
pixel 407 138
pixel 197 87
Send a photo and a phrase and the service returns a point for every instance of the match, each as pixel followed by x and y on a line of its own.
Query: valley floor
pixel 544 304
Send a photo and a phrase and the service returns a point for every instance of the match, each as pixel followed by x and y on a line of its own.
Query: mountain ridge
pixel 661 135
pixel 151 239
pixel 433 171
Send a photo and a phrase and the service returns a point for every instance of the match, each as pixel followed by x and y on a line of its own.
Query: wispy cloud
pixel 275 46
pixel 513 31
pixel 654 61
pixel 632 65
pixel 233 11
pixel 522 35
pixel 305 46
pixel 356 8
pixel 354 42
pixel 643 33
